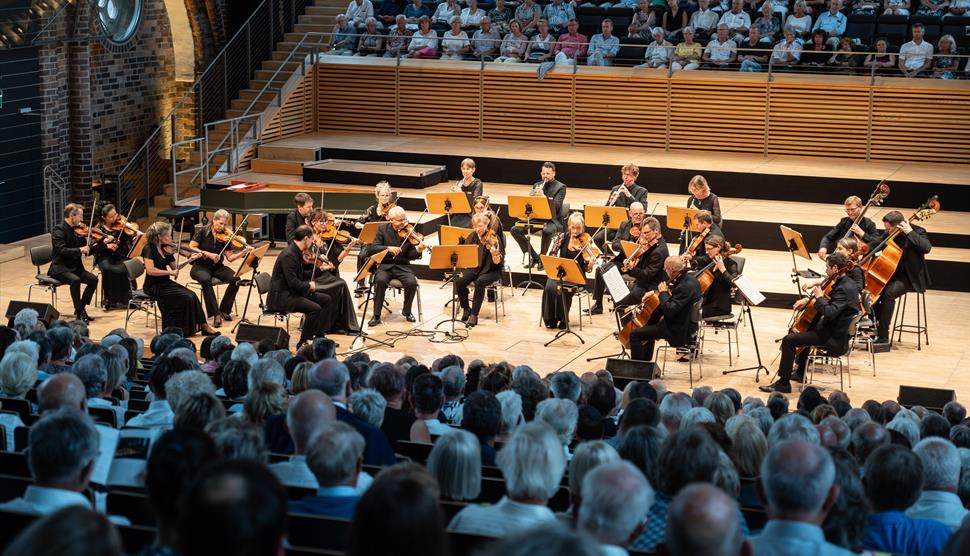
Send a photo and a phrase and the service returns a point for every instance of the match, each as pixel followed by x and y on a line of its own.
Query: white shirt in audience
pixel 357 14
pixel 800 25
pixel 501 519
pixel 119 411
pixel 43 500
pixel 295 473
pixel 469 19
pixel 159 414
pixel 437 428
pixel 719 51
pixel 914 55
pixel 941 506
pixel 9 422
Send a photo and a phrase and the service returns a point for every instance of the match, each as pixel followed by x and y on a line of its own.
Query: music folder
pixel 370 265
pixel 452 235
pixel 447 257
pixel 794 242
pixel 596 215
pixel 252 258
pixel 451 202
pixel 525 207
pixel 676 216
pixel 369 232
pixel 572 274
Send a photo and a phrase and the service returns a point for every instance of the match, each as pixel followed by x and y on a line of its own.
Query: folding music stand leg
pixel 757 350
pixel 795 274
pixel 454 303
pixel 528 281
pixel 623 354
pixel 249 293
pixel 361 335
pixel 567 330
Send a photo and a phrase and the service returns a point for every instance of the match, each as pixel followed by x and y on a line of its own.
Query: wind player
pixel 626 194
pixel 676 302
pixel 701 198
pixel 488 271
pixel 396 264
pixel 864 231
pixel 297 218
pixel 552 189
pixel 374 213
pixel 830 331
pixel 911 273
pixel 291 292
pixel 470 186
pixel 648 270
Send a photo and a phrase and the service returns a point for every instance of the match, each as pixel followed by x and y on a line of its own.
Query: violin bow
pixel 337 231
pixel 413 226
pixel 94 209
pixel 178 246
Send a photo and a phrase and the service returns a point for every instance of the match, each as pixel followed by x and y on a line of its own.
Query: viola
pixel 698 241
pixel 705 276
pixel 233 241
pixel 123 225
pixel 408 234
pixel 330 232
pixel 382 210
pixel 643 246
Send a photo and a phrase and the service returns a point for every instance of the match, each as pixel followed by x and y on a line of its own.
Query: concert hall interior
pixel 285 174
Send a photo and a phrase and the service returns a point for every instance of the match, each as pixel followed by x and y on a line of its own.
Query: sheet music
pixel 615 283
pixel 749 290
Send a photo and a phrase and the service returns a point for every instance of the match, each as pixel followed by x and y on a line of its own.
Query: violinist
pixel 291 292
pixel 470 186
pixel 550 188
pixel 701 198
pixel 850 248
pixel 297 218
pixel 212 241
pixel 69 242
pixel 179 305
pixel 717 298
pixel 488 271
pixel 864 231
pixel 110 255
pixel 911 273
pixel 403 245
pixel 567 246
pixel 676 300
pixel 831 331
pixel 703 220
pixel 481 206
pixel 374 213
pixel 646 270
pixel 331 246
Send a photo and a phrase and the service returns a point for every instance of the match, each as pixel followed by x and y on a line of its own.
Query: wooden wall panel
pixel 352 97
pixel 439 101
pixel 721 115
pixel 611 112
pixel 517 106
pixel 296 115
pixel 806 120
pixel 922 124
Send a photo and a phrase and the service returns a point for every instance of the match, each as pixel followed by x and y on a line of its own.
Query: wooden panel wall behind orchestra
pixel 519 107
pixel 353 97
pixel 805 120
pixel 296 115
pixel 929 124
pixel 716 111
pixel 620 112
pixel 438 101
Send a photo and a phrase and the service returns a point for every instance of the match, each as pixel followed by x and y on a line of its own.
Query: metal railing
pixel 156 163
pixel 56 192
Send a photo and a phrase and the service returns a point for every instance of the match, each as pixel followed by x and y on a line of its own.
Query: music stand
pixel 452 202
pixel 564 271
pixel 750 295
pixel 796 246
pixel 529 208
pixel 369 232
pixel 372 262
pixel 609 218
pixel 454 257
pixel 682 219
pixel 251 261
pixel 628 247
pixel 452 235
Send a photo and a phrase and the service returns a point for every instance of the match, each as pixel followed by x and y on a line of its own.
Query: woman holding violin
pixel 574 244
pixel 110 255
pixel 403 245
pixel 179 306
pixel 717 298
pixel 482 206
pixel 329 248
pixel 489 270
pixel 70 241
pixel 217 245
pixel 374 213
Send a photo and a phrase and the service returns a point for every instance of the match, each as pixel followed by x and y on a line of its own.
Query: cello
pixel 880 265
pixel 705 275
pixel 647 313
pixel 803 318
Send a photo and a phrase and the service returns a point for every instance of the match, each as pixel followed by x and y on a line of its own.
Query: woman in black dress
pixel 701 198
pixel 110 256
pixel 489 269
pixel 342 317
pixel 717 298
pixel 567 246
pixel 212 265
pixel 179 306
pixel 469 185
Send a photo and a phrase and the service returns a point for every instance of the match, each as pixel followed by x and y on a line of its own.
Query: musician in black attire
pixel 703 220
pixel 717 298
pixel 471 186
pixel 676 302
pixel 180 307
pixel 342 317
pixel 911 274
pixel 396 264
pixel 626 194
pixel 831 330
pixel 552 189
pixel 481 206
pixel 488 271
pixel 374 213
pixel 110 256
pixel 566 246
pixel 297 218
pixel 701 198
pixel 648 270
pixel 848 247
pixel 67 266
pixel 290 291
pixel 211 265
pixel 864 231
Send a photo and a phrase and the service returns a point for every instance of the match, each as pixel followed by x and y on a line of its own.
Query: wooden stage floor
pixel 518 338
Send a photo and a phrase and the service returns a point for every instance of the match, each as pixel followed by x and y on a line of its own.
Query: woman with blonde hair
pixel 567 246
pixel 701 198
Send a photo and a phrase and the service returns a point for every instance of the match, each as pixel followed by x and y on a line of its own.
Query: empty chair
pixel 40 256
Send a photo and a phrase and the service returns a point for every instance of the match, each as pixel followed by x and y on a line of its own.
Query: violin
pixel 641 249
pixel 635 231
pixel 698 241
pixel 408 234
pixel 96 234
pixel 382 210
pixel 330 232
pixel 122 225
pixel 233 241
pixel 587 249
pixel 489 240
pixel 311 255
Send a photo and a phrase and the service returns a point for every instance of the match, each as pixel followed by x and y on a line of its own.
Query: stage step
pixel 269 151
pixel 287 167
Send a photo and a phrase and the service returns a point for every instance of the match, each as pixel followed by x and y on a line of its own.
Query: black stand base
pixel 454 303
pixel 757 369
pixel 565 331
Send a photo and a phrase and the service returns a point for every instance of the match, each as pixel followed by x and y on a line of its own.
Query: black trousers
pixel 883 308
pixel 75 279
pixel 554 313
pixel 314 308
pixel 179 306
pixel 789 347
pixel 481 281
pixel 204 275
pixel 643 339
pixel 114 279
pixel 520 233
pixel 384 275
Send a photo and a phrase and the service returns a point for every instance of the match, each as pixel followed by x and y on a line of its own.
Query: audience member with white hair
pixel 697 416
pixel 369 405
pixel 25 322
pixel 797 483
pixel 855 417
pixel 306 412
pixel 941 480
pixel 702 519
pixel 335 458
pixel 673 408
pixel 532 463
pixel 28 348
pixel 456 463
pixel 905 426
pixel 560 415
pixel 245 352
pixel 588 456
pixel 615 497
pixel 511 403
pixel 793 426
pixel 833 433
pixel 93 372
pixel 266 369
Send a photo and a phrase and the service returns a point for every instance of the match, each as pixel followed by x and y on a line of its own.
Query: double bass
pixel 881 263
pixel 878 196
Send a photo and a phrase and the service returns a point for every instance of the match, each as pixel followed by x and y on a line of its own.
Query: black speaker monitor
pixel 930 398
pixel 625 371
pixel 254 334
pixel 45 311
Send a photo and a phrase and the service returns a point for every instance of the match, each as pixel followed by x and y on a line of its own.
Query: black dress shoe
pixel 539 266
pixel 374 321
pixel 780 385
pixel 226 317
pixel 465 313
pixel 409 317
pixel 216 321
pixel 84 316
pixel 596 309
pixel 472 321
pixel 797 377
pixel 213 333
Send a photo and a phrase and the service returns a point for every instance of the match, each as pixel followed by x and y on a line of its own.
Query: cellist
pixel 675 303
pixel 830 331
pixel 911 274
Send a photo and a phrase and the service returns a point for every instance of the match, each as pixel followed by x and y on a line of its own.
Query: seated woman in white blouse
pixel 442 16
pixel 454 43
pixel 424 42
pixel 471 17
pixel 800 21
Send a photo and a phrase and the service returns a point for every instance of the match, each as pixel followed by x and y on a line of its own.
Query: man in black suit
pixel 703 220
pixel 676 302
pixel 66 264
pixel 864 231
pixel 830 331
pixel 290 292
pixel 649 268
pixel 627 194
pixel 396 264
pixel 555 191
pixel 911 274
pixel 297 218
